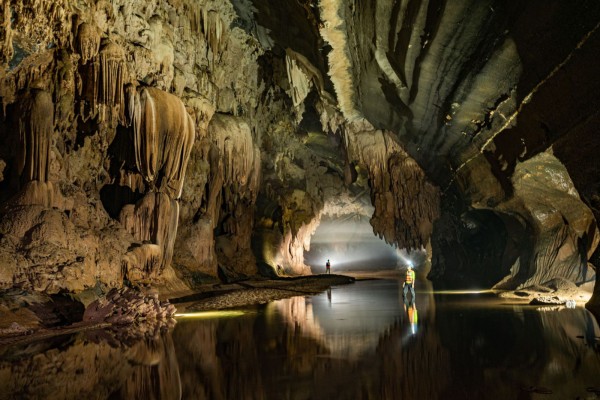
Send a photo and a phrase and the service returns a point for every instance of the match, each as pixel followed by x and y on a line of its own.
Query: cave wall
pixel 473 91
pixel 106 110
pixel 179 141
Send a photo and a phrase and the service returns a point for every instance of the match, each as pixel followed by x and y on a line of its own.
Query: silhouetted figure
pixel 409 283
pixel 328 267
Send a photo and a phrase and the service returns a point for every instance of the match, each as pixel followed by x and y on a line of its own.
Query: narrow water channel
pixel 359 341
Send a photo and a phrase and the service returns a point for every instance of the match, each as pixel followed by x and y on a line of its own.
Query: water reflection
pixel 90 365
pixel 353 342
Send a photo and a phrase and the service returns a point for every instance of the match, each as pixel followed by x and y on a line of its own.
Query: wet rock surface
pixel 554 292
pixel 127 313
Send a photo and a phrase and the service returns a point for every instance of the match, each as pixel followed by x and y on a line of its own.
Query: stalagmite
pixel 152 220
pixel 164 134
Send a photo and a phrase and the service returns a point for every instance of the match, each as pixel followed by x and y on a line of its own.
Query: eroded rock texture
pixel 472 91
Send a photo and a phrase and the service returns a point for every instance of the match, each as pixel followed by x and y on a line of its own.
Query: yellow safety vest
pixel 410 276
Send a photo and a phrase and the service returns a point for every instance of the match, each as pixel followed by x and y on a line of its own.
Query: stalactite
pixel 406 204
pixel 202 111
pixel 37 68
pixel 232 189
pixel 6 33
pixel 112 71
pixel 214 30
pixel 300 84
pixel 164 134
pixel 195 15
pixel 88 42
pixel 35 125
pixel 334 32
pixel 234 141
pixel 302 76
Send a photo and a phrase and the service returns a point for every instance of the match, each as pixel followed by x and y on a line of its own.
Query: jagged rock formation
pixel 126 307
pixel 153 142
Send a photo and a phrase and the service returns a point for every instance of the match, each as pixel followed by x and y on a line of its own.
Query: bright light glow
pixel 460 291
pixel 349 243
pixel 404 258
pixel 210 314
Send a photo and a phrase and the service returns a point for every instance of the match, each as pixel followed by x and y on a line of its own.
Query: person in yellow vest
pixel 409 283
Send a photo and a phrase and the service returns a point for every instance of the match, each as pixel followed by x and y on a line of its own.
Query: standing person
pixel 328 267
pixel 409 283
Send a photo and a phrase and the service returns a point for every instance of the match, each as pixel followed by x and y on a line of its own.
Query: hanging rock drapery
pixel 163 134
pixel 406 203
pixel 35 125
pixel 112 68
pixel 88 42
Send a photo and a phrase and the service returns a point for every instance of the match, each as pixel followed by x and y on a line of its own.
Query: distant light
pixel 461 291
pixel 210 314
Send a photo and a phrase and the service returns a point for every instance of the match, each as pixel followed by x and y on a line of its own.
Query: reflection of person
pixel 329 295
pixel 409 283
pixel 328 267
pixel 413 317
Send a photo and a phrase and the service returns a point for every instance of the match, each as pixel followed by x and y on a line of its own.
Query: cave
pixel 164 159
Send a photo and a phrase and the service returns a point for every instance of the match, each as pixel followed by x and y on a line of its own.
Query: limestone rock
pixel 547 200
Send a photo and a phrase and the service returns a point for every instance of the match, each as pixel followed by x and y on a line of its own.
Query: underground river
pixel 357 341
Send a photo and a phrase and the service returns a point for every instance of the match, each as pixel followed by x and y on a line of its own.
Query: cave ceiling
pixel 452 79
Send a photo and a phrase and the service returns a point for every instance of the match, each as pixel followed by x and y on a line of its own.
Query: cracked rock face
pixel 173 142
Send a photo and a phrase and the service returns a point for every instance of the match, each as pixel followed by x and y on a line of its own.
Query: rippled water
pixel 358 341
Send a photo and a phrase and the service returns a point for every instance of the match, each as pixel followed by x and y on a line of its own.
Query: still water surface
pixel 358 341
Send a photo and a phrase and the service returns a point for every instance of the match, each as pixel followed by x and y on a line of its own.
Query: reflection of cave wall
pixel 502 355
pixel 90 365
